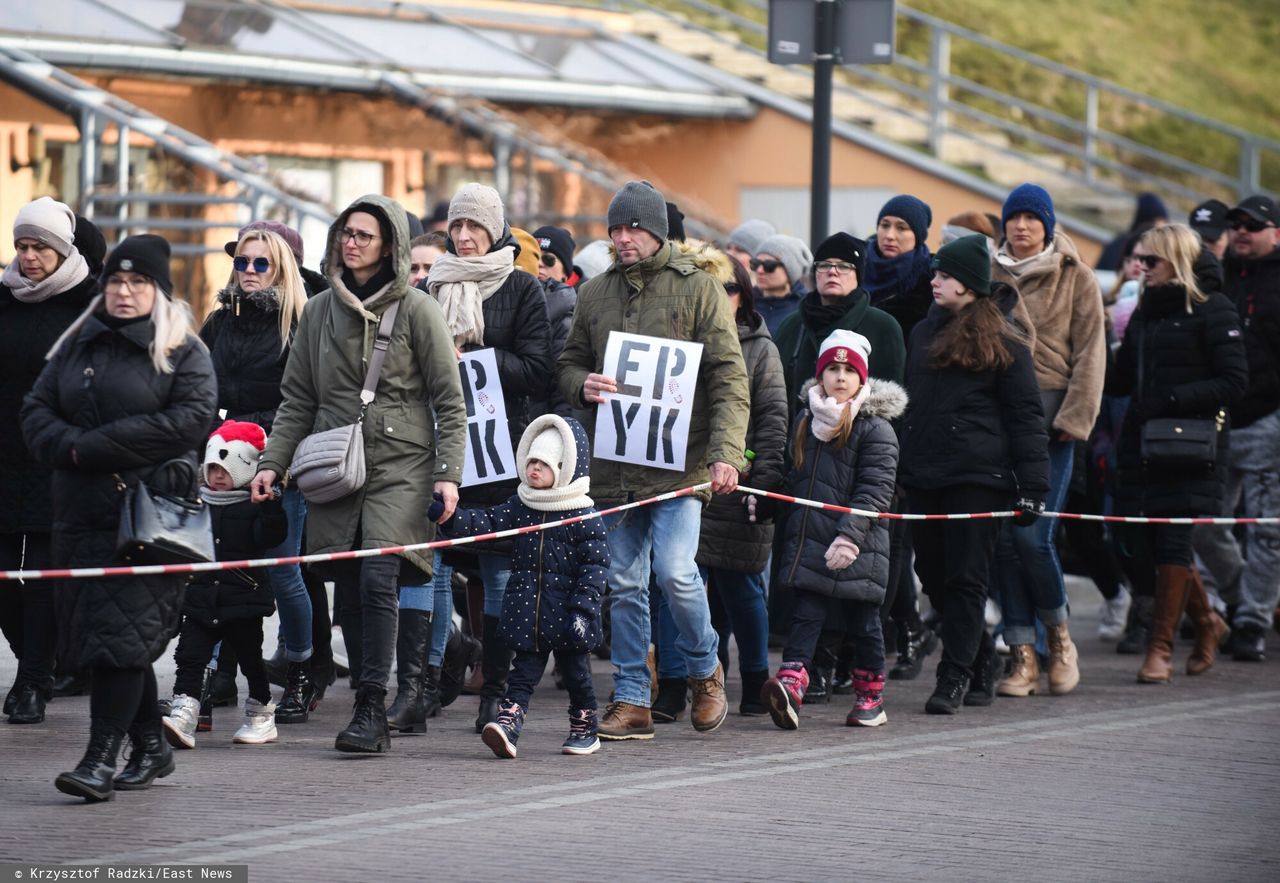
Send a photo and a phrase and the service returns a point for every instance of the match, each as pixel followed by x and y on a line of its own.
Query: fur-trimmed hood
pixel 887 400
pixel 688 257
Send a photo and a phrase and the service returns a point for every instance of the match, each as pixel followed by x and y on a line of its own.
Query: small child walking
pixel 552 601
pixel 229 605
pixel 845 453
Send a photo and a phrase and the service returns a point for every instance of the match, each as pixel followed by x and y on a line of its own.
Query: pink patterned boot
pixel 784 694
pixel 868 704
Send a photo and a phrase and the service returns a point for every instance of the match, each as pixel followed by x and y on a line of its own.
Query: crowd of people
pixel 994 372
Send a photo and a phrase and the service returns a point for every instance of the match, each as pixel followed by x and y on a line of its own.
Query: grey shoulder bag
pixel 329 465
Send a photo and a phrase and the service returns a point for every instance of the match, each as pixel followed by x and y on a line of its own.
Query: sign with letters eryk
pixel 646 421
pixel 489 454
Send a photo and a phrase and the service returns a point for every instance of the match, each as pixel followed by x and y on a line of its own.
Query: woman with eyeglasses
pixel 413 432
pixel 780 264
pixel 127 388
pixel 249 335
pixel 898 273
pixel 1183 356
pixel 44 289
pixel 487 304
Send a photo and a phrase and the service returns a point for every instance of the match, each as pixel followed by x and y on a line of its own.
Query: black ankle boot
pixel 367 733
pixel 822 670
pixel 11 698
pixel 431 690
pixel 278 666
pixel 461 651
pixel 752 682
pixel 949 691
pixel 93 778
pixel 670 702
pixel 299 695
pixel 915 643
pixel 74 684
pixel 496 664
pixel 150 757
pixel 1138 627
pixel 323 674
pixel 222 689
pixel 408 713
pixel 986 674
pixel 28 706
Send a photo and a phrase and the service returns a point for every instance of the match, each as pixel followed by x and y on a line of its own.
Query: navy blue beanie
pixel 1029 198
pixel 915 212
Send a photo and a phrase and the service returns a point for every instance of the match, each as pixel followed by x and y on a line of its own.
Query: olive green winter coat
pixel 406 449
pixel 666 295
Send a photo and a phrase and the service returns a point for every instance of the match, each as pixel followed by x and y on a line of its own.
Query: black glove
pixel 436 509
pixel 1027 511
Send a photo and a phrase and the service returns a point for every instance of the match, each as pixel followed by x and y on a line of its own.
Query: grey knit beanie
pixel 49 221
pixel 639 205
pixel 794 254
pixel 479 203
pixel 749 234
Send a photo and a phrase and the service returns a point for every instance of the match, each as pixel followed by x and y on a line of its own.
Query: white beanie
pixel 236 446
pixel 49 221
pixel 547 446
pixel 479 203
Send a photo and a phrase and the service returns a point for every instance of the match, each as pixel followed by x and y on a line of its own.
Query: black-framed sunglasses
pixel 242 263
pixel 732 289
pixel 1249 225
pixel 767 266
pixel 1149 261
pixel 548 259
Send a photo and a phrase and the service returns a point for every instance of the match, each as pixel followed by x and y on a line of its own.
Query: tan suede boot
pixel 1173 581
pixel 1064 661
pixel 1210 628
pixel 1025 677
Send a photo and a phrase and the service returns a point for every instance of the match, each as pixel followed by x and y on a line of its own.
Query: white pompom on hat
pixel 237 447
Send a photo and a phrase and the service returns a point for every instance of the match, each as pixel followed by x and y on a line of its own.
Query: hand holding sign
pixel 597 387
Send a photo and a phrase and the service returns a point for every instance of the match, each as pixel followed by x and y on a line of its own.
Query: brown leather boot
pixel 1210 629
pixel 622 720
pixel 710 705
pixel 1025 677
pixel 1173 581
pixel 1064 661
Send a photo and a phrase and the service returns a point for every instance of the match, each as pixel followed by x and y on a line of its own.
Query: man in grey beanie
pixel 656 288
pixel 780 263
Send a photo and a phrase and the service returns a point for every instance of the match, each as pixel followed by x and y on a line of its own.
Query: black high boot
pixel 461 651
pixel 367 733
pixel 431 690
pixel 299 695
pixel 752 682
pixel 496 665
pixel 150 757
pixel 408 713
pixel 94 777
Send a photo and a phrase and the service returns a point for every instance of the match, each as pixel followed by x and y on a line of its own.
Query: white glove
pixel 841 553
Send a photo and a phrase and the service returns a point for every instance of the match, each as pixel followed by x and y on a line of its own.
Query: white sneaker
pixel 1115 613
pixel 259 724
pixel 180 723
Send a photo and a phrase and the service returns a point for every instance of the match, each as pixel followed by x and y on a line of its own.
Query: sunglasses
pixel 1250 225
pixel 732 289
pixel 242 263
pixel 548 259
pixel 1149 261
pixel 767 266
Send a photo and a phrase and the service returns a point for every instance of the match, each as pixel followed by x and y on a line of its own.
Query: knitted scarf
pixel 463 284
pixel 224 498
pixel 557 499
pixel 1042 260
pixel 73 271
pixel 886 277
pixel 825 423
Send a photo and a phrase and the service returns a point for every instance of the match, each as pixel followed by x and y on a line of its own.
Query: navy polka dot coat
pixel 558 575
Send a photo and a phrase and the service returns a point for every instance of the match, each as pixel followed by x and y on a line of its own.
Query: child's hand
pixel 841 553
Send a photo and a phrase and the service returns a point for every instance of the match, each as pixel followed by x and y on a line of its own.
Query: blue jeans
pixel 671 530
pixel 287 585
pixel 1026 567
pixel 743 612
pixel 495 570
pixel 436 598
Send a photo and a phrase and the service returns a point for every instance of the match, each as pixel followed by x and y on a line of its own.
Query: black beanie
pixel 675 223
pixel 90 242
pixel 968 260
pixel 843 247
pixel 145 254
pixel 557 241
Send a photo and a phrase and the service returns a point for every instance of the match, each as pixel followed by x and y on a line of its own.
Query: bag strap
pixel 379 356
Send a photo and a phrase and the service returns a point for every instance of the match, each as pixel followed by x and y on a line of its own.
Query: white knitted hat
pixel 548 446
pixel 49 221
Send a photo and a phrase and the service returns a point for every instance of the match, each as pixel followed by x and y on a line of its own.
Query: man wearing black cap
pixel 1252 269
pixel 656 288
pixel 1209 220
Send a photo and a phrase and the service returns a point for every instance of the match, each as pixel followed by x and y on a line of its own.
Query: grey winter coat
pixel 860 475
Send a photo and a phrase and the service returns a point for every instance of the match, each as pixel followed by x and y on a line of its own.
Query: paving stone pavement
pixel 1114 782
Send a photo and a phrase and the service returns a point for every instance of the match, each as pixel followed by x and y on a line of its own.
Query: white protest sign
pixel 489 454
pixel 646 421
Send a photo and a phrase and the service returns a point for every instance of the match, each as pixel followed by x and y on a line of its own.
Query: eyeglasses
pixel 732 289
pixel 767 266
pixel 1248 224
pixel 135 284
pixel 361 238
pixel 242 264
pixel 548 259
pixel 1149 261
pixel 833 267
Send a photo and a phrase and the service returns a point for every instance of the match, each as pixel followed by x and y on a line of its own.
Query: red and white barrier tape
pixel 207 566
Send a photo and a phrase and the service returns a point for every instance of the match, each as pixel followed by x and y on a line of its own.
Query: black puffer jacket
pixel 243 337
pixel 964 427
pixel 1193 366
pixel 1254 287
pixel 860 475
pixel 240 530
pixel 101 398
pixel 728 540
pixel 26 333
pixel 561 301
pixel 558 575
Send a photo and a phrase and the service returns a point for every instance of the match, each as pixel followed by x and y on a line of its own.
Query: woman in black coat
pixel 973 440
pixel 1182 357
pixel 48 285
pixel 127 389
pixel 488 303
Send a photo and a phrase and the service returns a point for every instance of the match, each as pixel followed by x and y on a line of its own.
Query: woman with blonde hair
pixel 249 335
pixel 127 389
pixel 1182 357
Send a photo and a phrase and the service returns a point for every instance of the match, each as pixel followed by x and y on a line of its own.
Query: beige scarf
pixel 462 285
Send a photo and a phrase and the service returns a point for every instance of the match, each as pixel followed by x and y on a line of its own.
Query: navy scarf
pixel 889 277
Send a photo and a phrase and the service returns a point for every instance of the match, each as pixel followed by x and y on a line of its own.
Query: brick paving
pixel 1115 782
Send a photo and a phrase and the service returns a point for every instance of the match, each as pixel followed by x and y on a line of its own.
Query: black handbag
pixel 159 527
pixel 1171 442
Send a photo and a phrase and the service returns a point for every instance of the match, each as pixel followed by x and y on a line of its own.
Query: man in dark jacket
pixel 1252 271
